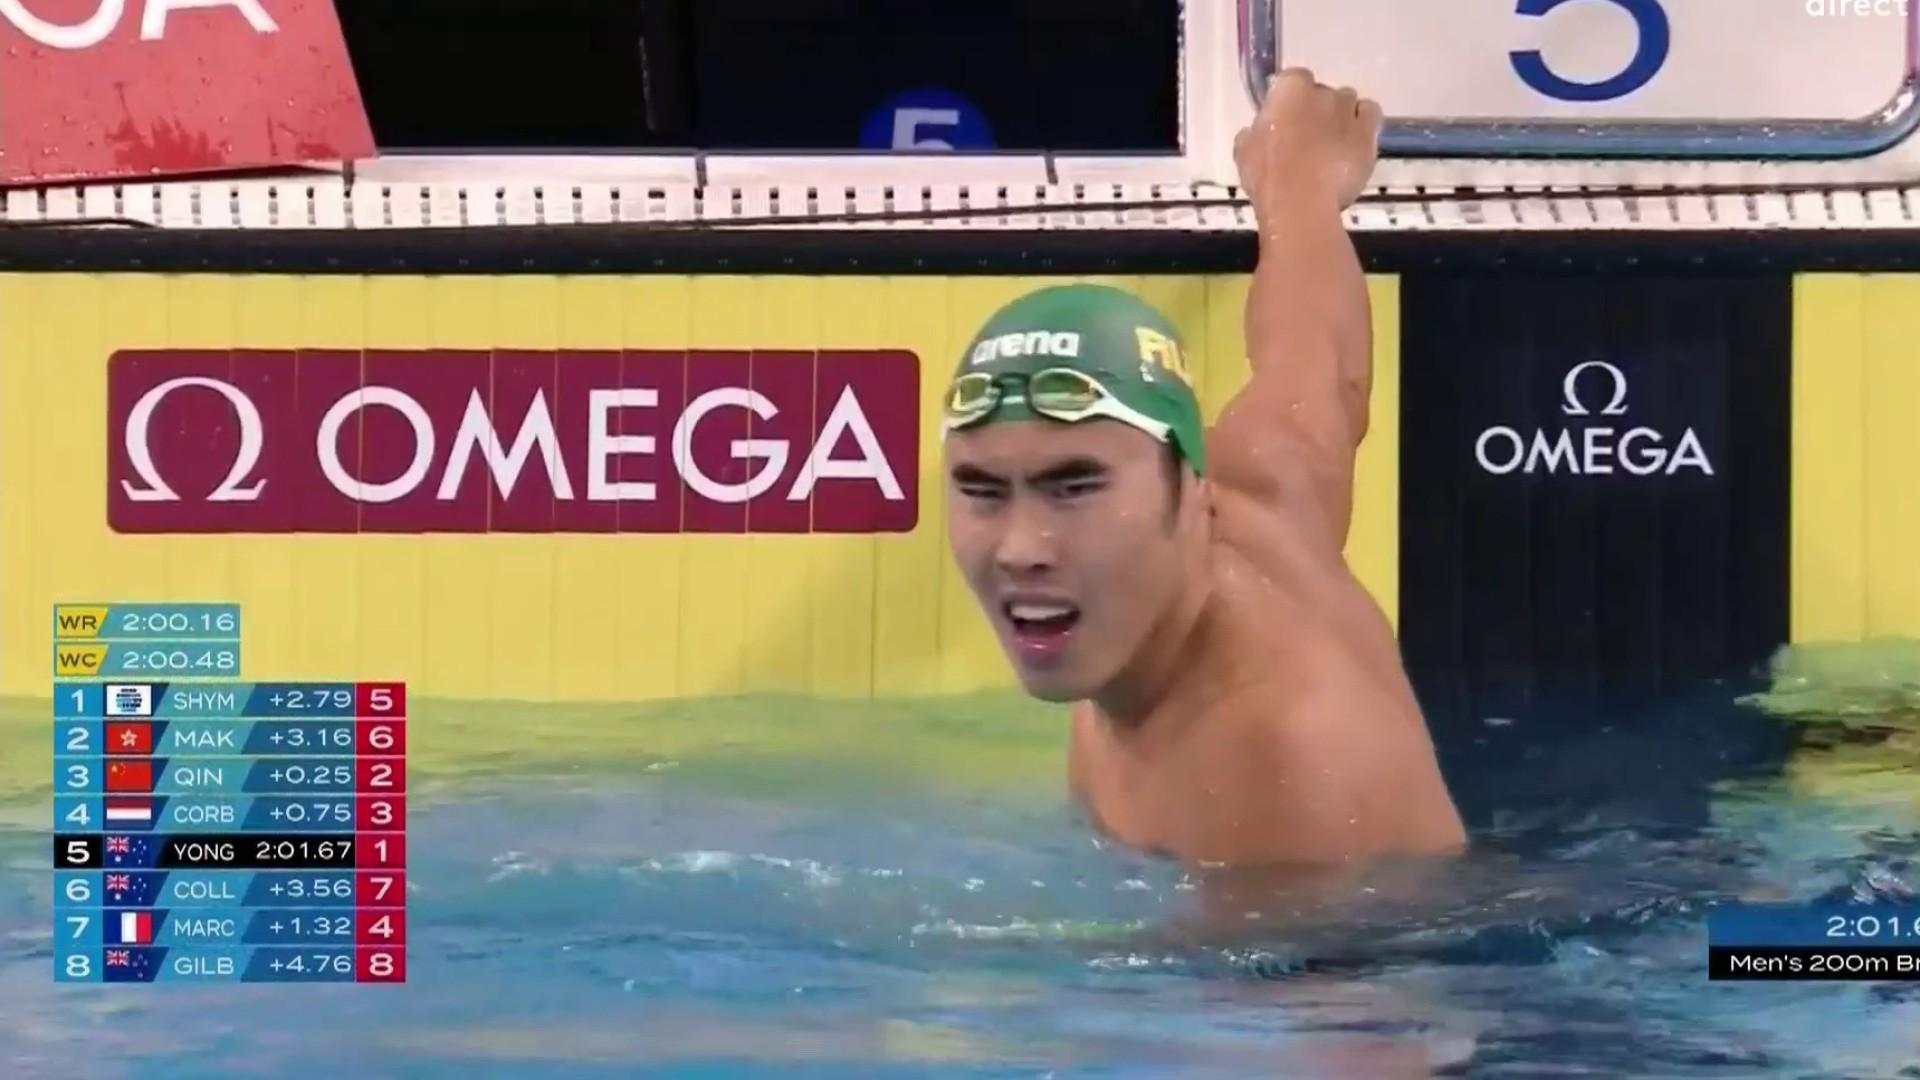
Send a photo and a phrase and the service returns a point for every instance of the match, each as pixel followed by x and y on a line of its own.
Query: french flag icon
pixel 129 928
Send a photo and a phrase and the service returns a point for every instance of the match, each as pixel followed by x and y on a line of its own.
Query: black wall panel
pixel 1594 515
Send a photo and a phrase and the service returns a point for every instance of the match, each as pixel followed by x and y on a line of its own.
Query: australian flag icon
pixel 131 964
pixel 133 889
pixel 132 852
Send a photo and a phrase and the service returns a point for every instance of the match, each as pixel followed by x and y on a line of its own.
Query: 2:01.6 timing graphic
pixel 1813 942
pixel 229 851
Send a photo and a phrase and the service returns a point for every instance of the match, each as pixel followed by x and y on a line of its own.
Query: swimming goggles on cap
pixel 1065 394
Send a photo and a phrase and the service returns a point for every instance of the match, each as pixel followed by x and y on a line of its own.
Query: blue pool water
pixel 720 913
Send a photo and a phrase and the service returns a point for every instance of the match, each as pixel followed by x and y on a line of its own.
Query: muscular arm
pixel 1290 435
pixel 1308 321
pixel 1288 439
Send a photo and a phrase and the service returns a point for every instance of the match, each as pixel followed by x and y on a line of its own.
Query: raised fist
pixel 1309 142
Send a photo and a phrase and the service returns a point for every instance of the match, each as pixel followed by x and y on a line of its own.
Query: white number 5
pixel 907 124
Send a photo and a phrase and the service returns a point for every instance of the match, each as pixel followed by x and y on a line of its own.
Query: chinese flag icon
pixel 130 776
pixel 133 737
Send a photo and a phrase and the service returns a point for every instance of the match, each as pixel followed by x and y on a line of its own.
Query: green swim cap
pixel 1076 352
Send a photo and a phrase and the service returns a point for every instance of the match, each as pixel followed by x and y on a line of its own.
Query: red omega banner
pixel 117 89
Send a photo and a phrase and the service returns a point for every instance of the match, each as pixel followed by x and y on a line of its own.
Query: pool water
pixel 783 888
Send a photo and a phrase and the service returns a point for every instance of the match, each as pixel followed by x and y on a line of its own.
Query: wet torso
pixel 1290 733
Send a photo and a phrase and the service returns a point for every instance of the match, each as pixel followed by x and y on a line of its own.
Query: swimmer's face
pixel 1071 537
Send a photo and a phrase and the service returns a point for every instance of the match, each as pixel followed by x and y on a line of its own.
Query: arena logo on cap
pixel 1031 343
pixel 1640 450
pixel 514 441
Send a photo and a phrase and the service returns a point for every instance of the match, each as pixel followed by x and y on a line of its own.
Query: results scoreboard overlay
pixel 208 829
pixel 1791 942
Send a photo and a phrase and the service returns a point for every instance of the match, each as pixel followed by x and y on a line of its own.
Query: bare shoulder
pixel 1278 563
pixel 1352 775
pixel 1265 460
pixel 1333 725
pixel 1272 532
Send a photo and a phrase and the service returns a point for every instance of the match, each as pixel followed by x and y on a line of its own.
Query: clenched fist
pixel 1308 142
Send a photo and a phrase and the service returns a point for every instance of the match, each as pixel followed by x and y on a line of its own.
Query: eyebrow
pixel 1074 468
pixel 974 474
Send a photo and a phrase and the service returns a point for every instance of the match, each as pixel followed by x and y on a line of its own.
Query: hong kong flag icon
pixel 134 775
pixel 131 737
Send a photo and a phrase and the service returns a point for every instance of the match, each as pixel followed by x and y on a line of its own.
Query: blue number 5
pixel 1649 18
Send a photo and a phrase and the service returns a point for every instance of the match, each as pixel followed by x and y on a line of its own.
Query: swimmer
pixel 1238 696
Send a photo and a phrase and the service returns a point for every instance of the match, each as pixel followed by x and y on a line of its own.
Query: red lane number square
pixel 379 737
pixel 380 851
pixel 382 966
pixel 380 928
pixel 379 888
pixel 380 699
pixel 380 776
pixel 380 813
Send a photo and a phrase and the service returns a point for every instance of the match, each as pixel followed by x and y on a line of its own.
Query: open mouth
pixel 1041 624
